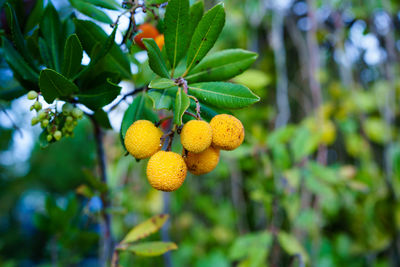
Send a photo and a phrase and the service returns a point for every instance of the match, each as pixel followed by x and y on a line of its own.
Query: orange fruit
pixel 146 31
pixel 160 41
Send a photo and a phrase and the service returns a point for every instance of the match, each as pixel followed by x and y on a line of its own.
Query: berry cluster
pixel 56 124
pixel 201 141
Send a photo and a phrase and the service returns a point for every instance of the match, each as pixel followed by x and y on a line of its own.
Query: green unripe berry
pixel 75 123
pixel 37 105
pixel 69 119
pixel 34 121
pixel 67 108
pixel 57 135
pixel 32 95
pixel 42 115
pixel 32 107
pixel 45 123
pixel 77 113
pixel 49 137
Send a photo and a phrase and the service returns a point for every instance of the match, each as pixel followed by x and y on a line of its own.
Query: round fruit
pixel 228 132
pixel 147 31
pixel 143 139
pixel 32 95
pixel 57 135
pixel 196 136
pixel 160 41
pixel 204 162
pixel 166 171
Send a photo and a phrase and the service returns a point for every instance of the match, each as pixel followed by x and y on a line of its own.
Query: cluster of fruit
pixel 201 141
pixel 56 124
pixel 146 30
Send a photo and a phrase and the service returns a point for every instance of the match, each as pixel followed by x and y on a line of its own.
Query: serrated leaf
pixel 17 36
pixel 18 64
pixel 91 11
pixel 50 27
pixel 176 30
pixel 205 35
pixel 152 248
pixel 195 14
pixel 161 83
pixel 156 60
pixel 223 95
pixel 115 60
pixel 73 53
pixel 182 103
pixel 100 96
pixel 222 65
pixel 145 228
pixel 52 85
pixel 161 99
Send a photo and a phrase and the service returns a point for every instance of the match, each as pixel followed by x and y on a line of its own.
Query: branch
pixel 126 95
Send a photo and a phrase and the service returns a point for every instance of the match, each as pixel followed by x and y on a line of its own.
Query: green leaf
pixel 45 53
pixel 107 4
pixel 35 16
pixel 17 36
pixel 205 35
pixel 195 14
pixel 43 139
pixel 50 27
pixel 115 60
pixel 145 228
pixel 101 117
pixel 91 11
pixel 53 85
pixel 152 248
pixel 223 95
pixel 222 66
pixel 155 2
pixel 182 103
pixel 303 143
pixel 161 99
pixel 73 53
pixel 11 93
pixel 161 83
pixel 250 245
pixel 176 30
pixel 100 95
pixel 17 62
pixel 290 244
pixel 156 60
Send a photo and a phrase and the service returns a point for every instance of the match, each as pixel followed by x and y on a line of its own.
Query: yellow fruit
pixel 228 132
pixel 196 136
pixel 204 162
pixel 166 171
pixel 328 133
pixel 142 139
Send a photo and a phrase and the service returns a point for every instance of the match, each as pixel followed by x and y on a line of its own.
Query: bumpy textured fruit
pixel 228 132
pixel 196 136
pixel 143 139
pixel 160 41
pixel 166 171
pixel 204 162
pixel 147 31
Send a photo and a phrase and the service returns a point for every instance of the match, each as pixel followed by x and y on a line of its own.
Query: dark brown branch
pixel 126 95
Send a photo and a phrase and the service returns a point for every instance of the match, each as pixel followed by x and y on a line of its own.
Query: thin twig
pixel 126 95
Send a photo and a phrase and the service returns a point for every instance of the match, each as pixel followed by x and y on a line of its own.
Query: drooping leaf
pixel 161 83
pixel 101 117
pixel 52 85
pixel 17 36
pixel 17 62
pixel 223 95
pixel 91 11
pixel 205 35
pixel 176 30
pixel 195 14
pixel 50 27
pixel 73 53
pixel 115 60
pixel 222 66
pixel 161 99
pixel 152 248
pixel 145 228
pixel 100 95
pixel 156 60
pixel 182 103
